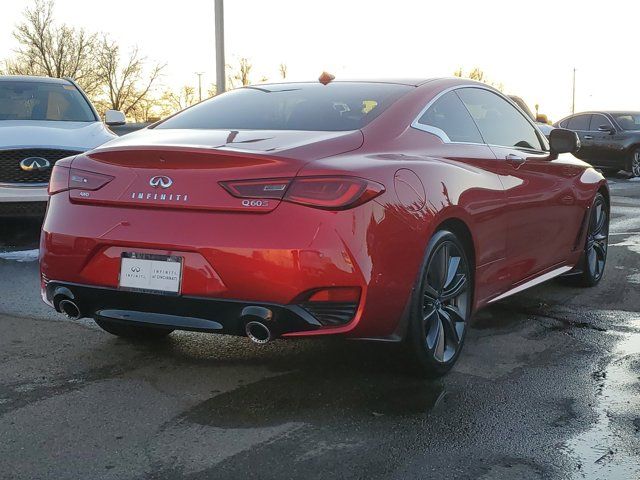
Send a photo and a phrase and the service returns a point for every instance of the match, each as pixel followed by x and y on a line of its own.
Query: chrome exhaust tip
pixel 258 332
pixel 69 309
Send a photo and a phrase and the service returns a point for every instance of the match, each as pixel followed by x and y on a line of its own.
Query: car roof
pixel 30 78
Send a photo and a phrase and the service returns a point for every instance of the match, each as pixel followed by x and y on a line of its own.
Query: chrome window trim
pixel 601 115
pixel 445 138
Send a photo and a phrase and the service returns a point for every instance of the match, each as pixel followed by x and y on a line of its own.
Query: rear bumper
pixel 177 312
pixel 237 259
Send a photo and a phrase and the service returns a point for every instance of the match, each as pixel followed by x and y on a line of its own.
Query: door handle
pixel 515 160
pixel 588 137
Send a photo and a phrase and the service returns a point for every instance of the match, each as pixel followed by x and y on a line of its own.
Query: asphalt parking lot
pixel 548 387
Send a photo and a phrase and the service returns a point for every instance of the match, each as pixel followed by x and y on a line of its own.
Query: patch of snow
pixel 635 278
pixel 634 179
pixel 21 256
pixel 632 243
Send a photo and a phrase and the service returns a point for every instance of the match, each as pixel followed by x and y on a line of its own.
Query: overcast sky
pixel 530 47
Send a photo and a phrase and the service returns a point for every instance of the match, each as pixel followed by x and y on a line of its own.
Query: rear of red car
pixel 213 229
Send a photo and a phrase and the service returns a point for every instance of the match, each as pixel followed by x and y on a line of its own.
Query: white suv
pixel 41 121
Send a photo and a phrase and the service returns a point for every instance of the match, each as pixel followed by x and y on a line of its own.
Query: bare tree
pixel 212 91
pixel 146 110
pixel 48 49
pixel 127 81
pixel 174 101
pixel 242 74
pixel 283 70
pixel 478 75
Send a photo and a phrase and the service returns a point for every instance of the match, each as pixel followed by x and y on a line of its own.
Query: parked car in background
pixel 376 210
pixel 42 120
pixel 540 120
pixel 610 140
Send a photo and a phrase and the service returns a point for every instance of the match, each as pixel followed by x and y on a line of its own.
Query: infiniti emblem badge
pixel 160 181
pixel 36 164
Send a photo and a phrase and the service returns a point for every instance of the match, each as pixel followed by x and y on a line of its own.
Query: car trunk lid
pixel 183 168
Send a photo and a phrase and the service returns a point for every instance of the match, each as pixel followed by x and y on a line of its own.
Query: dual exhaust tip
pixel 69 308
pixel 258 332
pixel 259 327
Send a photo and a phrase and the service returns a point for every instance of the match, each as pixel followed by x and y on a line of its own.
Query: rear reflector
pixel 336 294
pixel 63 179
pixel 330 193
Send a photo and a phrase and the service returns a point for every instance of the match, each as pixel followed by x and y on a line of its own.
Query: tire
pixel 441 306
pixel 634 162
pixel 132 331
pixel 594 257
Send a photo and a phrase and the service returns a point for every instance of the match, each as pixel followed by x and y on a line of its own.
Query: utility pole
pixel 199 85
pixel 220 65
pixel 573 102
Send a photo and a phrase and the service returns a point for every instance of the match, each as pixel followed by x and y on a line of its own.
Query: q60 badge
pixel 255 203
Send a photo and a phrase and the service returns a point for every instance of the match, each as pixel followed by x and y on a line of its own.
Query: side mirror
pixel 563 141
pixel 113 118
pixel 542 118
pixel 606 128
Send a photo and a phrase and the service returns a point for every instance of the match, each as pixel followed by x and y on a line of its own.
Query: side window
pixel 563 123
pixel 500 123
pixel 599 120
pixel 449 115
pixel 579 122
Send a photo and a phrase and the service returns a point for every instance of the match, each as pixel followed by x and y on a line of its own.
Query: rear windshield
pixel 334 107
pixel 628 121
pixel 43 101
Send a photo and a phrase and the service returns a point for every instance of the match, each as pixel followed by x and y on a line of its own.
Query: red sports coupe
pixel 382 210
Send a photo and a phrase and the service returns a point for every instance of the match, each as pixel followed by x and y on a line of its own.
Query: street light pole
pixel 220 65
pixel 199 85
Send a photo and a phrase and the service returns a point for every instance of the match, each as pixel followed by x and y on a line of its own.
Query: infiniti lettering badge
pixel 160 181
pixel 37 164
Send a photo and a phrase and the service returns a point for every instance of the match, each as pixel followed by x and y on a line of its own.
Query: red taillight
pixel 59 181
pixel 331 193
pixel 270 188
pixel 63 178
pixel 83 180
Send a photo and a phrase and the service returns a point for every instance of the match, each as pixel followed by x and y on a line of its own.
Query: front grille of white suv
pixel 12 173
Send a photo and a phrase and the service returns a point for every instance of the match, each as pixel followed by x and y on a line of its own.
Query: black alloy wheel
pixel 595 253
pixel 439 323
pixel 634 163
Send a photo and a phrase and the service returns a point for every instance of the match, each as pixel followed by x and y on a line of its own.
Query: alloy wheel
pixel 635 164
pixel 445 301
pixel 597 239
